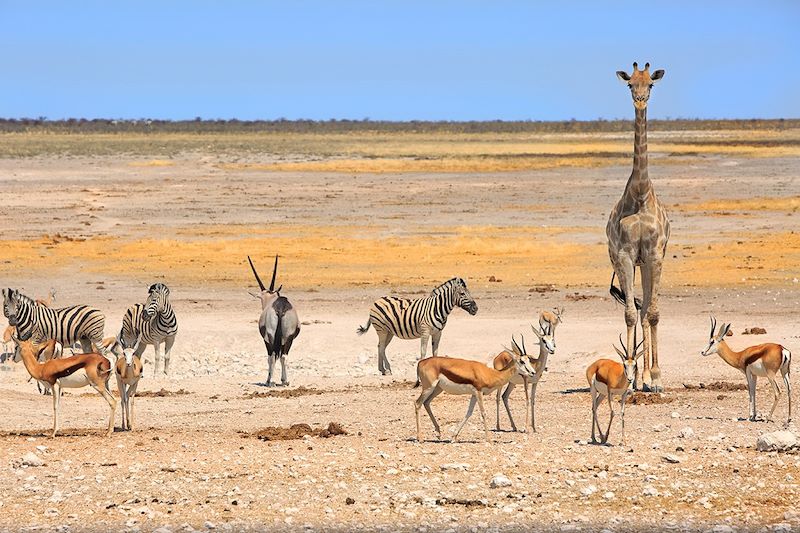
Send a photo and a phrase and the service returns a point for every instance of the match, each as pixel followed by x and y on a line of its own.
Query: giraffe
pixel 638 231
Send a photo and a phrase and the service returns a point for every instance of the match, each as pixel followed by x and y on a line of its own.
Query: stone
pixel 686 432
pixel 455 466
pixel 31 459
pixel 499 480
pixel 670 458
pixel 777 441
pixel 588 490
pixel 608 495
pixel 649 491
pixel 209 525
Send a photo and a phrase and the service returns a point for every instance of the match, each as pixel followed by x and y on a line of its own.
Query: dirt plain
pixel 100 228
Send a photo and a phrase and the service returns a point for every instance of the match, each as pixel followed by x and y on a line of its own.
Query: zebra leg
pixel 86 345
pixel 384 338
pixel 423 345
pixel 157 348
pixel 436 336
pixel 138 353
pixel 168 342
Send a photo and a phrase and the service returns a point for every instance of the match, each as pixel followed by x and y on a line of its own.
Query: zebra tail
pixel 619 295
pixel 363 329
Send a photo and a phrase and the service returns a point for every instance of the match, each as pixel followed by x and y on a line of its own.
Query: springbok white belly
pixel 603 389
pixel 451 387
pixel 76 380
pixel 758 369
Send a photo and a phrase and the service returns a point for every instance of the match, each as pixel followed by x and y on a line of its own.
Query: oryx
pixel 278 324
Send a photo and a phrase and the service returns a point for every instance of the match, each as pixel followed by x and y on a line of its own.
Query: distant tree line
pixel 200 126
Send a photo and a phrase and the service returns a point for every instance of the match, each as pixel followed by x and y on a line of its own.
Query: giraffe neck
pixel 639 185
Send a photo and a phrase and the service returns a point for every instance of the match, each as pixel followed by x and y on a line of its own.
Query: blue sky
pixel 400 60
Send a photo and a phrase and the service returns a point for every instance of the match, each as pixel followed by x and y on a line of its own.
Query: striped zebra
pixel 67 325
pixel 418 318
pixel 152 322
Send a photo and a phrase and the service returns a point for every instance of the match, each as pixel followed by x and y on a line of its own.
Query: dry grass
pixel 791 204
pixel 377 152
pixel 354 256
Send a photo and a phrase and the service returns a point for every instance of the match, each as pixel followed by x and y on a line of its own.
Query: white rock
pixel 499 480
pixel 650 491
pixel 31 459
pixel 675 414
pixel 209 525
pixel 588 490
pixel 777 441
pixel 686 432
pixel 670 458
pixel 608 495
pixel 722 528
pixel 454 466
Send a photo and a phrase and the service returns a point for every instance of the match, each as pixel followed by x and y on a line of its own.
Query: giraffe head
pixel 640 82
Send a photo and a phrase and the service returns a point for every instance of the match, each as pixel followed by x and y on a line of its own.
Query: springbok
pixel 547 347
pixel 548 320
pixel 278 325
pixel 764 360
pixel 608 378
pixel 462 376
pixel 47 302
pixel 128 371
pixel 74 372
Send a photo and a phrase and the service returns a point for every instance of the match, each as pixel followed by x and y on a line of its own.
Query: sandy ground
pixel 102 229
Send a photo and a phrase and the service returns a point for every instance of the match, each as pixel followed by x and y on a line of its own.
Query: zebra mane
pixel 446 286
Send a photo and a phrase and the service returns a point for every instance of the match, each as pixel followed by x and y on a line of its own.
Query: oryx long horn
pixel 274 273
pixel 256 273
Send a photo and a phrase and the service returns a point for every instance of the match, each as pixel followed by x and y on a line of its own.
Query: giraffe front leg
pixel 625 270
pixel 653 317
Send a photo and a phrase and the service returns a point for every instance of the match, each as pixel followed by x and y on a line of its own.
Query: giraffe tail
pixel 619 295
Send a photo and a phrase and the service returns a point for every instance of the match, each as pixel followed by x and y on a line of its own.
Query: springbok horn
pixel 713 324
pixel 274 273
pixel 515 345
pixel 524 351
pixel 255 273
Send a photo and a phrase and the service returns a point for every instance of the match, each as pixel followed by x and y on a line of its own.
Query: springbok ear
pixel 536 332
pixel 726 330
pixel 657 75
pixel 623 76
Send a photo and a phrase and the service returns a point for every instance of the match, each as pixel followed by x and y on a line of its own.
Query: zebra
pixel 152 322
pixel 419 318
pixel 66 325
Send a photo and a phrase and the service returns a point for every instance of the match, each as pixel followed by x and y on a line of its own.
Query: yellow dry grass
pixel 774 203
pixel 355 256
pixel 380 152
pixel 152 163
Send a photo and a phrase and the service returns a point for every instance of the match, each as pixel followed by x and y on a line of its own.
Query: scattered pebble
pixel 500 480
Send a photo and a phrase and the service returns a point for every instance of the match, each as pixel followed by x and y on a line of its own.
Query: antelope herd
pixel 638 230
